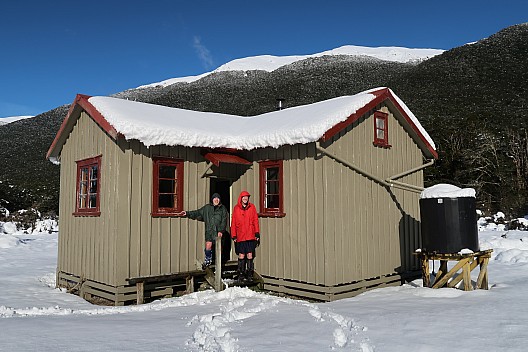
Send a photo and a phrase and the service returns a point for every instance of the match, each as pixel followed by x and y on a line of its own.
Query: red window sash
pixel 265 211
pixel 178 187
pixel 382 142
pixel 85 209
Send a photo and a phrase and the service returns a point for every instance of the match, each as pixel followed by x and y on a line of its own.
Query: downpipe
pixel 389 182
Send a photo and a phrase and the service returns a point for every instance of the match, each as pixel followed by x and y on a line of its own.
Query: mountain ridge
pixel 476 88
pixel 270 63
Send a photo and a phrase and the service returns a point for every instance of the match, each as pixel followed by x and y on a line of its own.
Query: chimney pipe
pixel 280 101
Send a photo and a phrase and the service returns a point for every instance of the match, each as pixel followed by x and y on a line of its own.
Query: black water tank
pixel 449 224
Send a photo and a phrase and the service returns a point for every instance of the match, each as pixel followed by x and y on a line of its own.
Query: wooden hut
pixel 336 184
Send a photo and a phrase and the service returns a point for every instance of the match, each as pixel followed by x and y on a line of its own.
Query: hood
pixel 216 195
pixel 242 194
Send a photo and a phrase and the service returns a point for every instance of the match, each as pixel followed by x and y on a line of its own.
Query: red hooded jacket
pixel 244 222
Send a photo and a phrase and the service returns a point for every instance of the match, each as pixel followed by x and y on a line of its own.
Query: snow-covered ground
pixel 35 316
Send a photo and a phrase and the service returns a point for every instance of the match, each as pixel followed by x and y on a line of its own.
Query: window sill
pixel 272 215
pixel 87 213
pixel 167 215
pixel 382 145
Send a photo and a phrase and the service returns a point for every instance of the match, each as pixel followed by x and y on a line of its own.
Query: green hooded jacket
pixel 215 219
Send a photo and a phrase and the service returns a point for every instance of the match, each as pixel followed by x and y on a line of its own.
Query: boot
pixel 241 270
pixel 250 270
pixel 208 259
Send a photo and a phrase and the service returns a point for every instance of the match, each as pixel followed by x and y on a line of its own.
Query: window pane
pixel 166 201
pixel 92 201
pixel 166 186
pixel 380 134
pixel 272 201
pixel 84 174
pixel 272 173
pixel 93 186
pixel 82 188
pixel 166 171
pixel 272 187
pixel 380 123
pixel 94 170
pixel 82 201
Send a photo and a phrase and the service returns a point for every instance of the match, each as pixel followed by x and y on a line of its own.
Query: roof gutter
pixel 389 182
pixel 408 172
pixel 392 180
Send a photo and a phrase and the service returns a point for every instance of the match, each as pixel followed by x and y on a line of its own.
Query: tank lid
pixel 444 190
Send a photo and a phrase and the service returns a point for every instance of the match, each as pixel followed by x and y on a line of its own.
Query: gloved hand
pixel 257 237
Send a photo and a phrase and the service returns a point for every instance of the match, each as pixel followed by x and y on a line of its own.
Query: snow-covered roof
pixel 444 190
pixel 156 125
pixel 160 125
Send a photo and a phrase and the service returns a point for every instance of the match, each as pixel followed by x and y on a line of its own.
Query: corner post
pixel 218 265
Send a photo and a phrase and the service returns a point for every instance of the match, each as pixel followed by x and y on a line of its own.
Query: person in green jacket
pixel 214 215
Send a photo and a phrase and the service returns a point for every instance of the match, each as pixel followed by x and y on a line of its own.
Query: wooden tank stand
pixel 465 262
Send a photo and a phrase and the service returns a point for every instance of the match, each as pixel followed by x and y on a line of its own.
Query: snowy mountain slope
pixel 6 120
pixel 270 63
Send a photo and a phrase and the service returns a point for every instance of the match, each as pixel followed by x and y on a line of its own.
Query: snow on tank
pixel 444 190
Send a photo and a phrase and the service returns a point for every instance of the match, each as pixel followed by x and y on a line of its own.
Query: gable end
pixel 381 96
pixel 80 103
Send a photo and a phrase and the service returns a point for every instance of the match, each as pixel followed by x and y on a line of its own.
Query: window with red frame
pixel 167 195
pixel 88 190
pixel 271 188
pixel 381 129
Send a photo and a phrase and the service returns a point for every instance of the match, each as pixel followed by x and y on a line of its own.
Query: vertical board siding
pixel 288 241
pixel 124 185
pixel 85 243
pixel 292 247
pixel 329 188
pixel 385 222
pixel 125 240
pixel 339 227
pixel 310 217
pixel 163 245
pixel 139 205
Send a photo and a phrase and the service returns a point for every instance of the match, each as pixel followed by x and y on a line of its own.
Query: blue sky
pixel 52 50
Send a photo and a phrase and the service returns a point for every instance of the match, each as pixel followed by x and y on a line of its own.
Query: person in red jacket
pixel 246 235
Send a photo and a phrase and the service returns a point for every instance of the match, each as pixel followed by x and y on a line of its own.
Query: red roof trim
pixel 414 127
pixel 96 115
pixel 217 158
pixel 81 101
pixel 381 95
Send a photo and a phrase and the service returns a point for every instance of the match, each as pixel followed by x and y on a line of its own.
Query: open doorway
pixel 222 187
